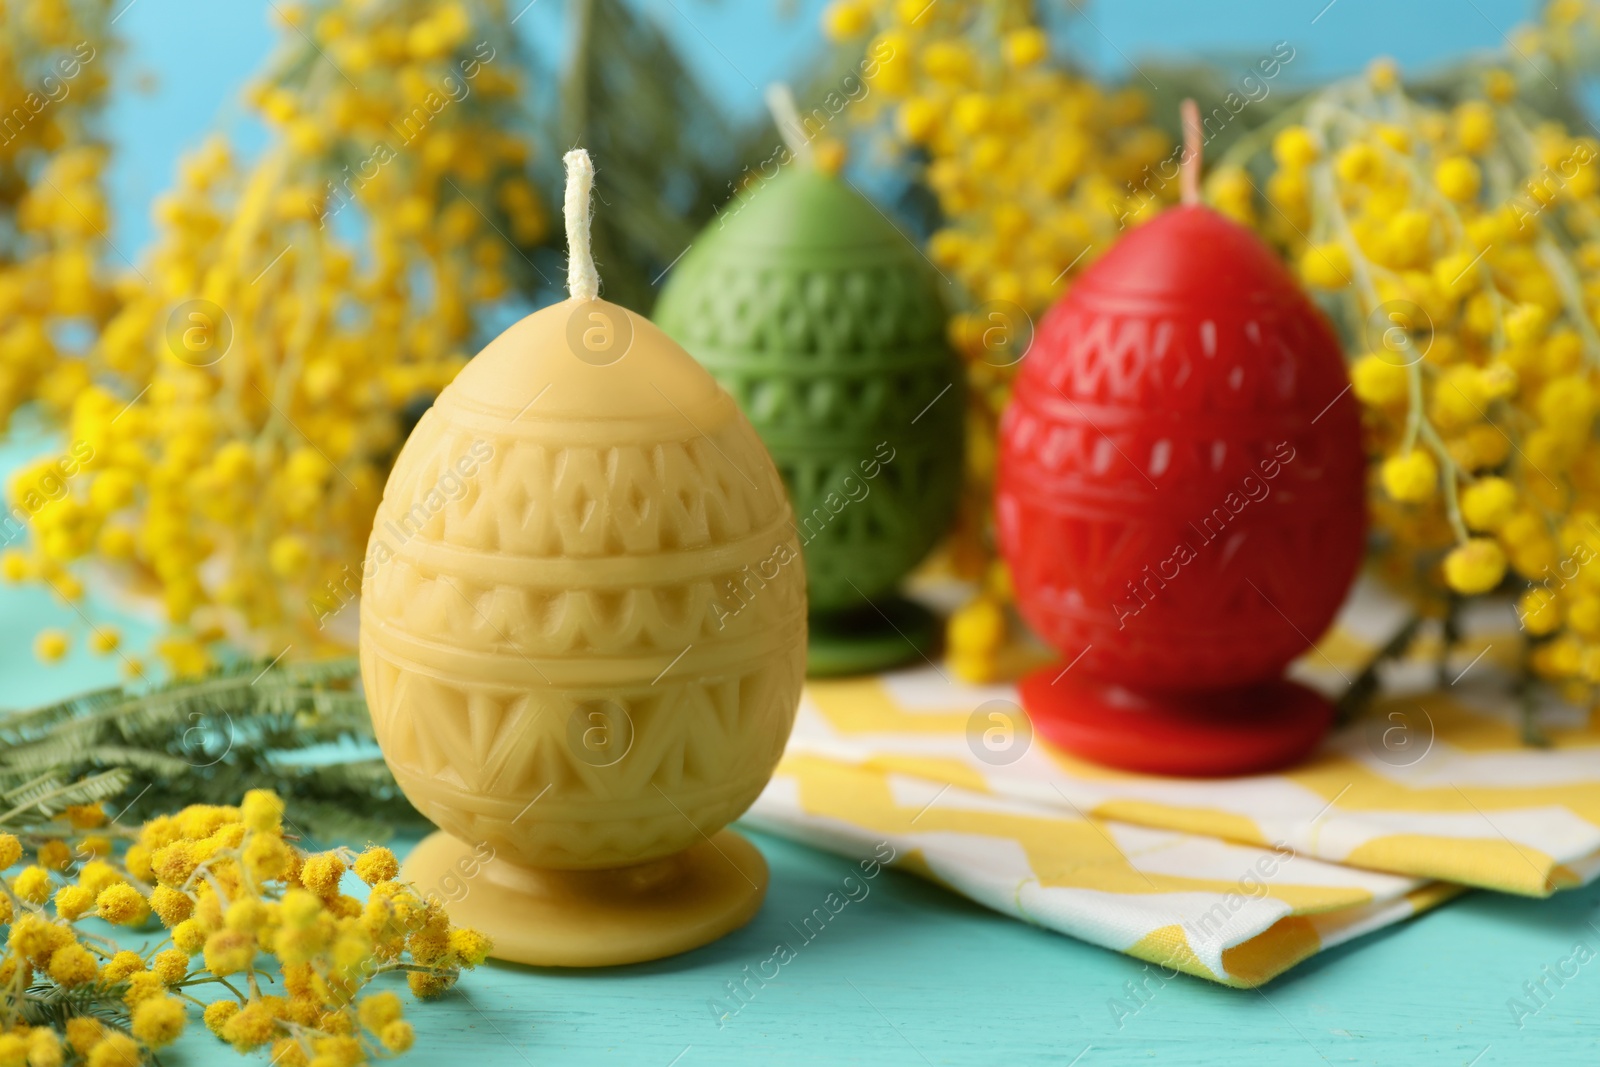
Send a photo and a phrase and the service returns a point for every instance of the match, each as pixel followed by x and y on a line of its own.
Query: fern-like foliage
pixel 299 728
pixel 659 140
pixel 48 1004
pixel 42 797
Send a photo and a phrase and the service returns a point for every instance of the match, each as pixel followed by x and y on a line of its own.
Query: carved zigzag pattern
pixel 481 754
pixel 828 403
pixel 1079 449
pixel 1173 604
pixel 1226 363
pixel 553 580
pixel 558 622
pixel 822 318
pixel 531 499
pixel 873 541
pixel 827 361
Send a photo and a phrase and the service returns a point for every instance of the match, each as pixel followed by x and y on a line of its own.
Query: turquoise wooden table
pixel 912 974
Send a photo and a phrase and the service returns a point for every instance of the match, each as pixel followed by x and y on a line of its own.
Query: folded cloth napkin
pixel 1235 914
pixel 1434 788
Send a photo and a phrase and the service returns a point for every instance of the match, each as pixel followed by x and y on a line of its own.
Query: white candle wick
pixel 786 116
pixel 1193 143
pixel 583 282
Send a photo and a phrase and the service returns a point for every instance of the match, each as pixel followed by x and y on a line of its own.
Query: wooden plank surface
pixel 912 974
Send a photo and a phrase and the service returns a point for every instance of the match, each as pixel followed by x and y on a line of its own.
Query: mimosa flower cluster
pixel 1035 171
pixel 246 399
pixel 1460 245
pixel 1456 234
pixel 243 912
pixel 54 286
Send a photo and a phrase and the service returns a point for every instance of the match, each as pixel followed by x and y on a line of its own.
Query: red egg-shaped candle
pixel 1180 499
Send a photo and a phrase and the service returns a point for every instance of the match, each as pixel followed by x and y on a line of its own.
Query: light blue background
pixel 198 53
pixel 912 974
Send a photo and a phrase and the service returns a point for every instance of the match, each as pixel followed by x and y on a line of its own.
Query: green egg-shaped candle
pixel 826 324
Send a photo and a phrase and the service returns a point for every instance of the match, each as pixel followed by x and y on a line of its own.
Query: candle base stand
pixel 874 637
pixel 1192 734
pixel 598 918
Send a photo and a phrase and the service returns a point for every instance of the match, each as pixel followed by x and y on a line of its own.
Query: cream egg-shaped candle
pixel 554 676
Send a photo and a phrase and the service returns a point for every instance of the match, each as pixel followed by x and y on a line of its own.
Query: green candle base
pixel 873 637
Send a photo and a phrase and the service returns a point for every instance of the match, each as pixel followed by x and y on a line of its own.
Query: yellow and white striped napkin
pixel 1234 879
pixel 1231 913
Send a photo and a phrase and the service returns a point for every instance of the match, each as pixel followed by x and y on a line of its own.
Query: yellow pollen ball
pixel 229 951
pixel 1500 86
pixel 1526 324
pixel 122 904
pixel 1380 380
pixel 321 874
pixel 1584 616
pixel 1488 503
pixel 115 1050
pixel 845 19
pixel 262 811
pixel 918 119
pixel 470 946
pixel 1025 47
pixel 397 1036
pixel 1294 147
pixel 234 462
pixel 1383 74
pixel 44 1048
pixel 50 646
pixel 158 1021
pixel 189 936
pixel 971 113
pixel 1457 274
pixel 218 1013
pixel 72 965
pixel 378 1010
pixel 54 854
pixel 32 884
pixel 1326 266
pixel 288 556
pixel 170 965
pixel 376 865
pixel 1458 179
pixel 73 901
pixel 171 905
pixel 1411 478
pixel 112 490
pixel 1396 137
pixel 1357 163
pixel 116 543
pixel 977 627
pixel 14 565
pixel 121 965
pixel 1475 567
pixel 142 986
pixel 1409 233
pixel 1475 126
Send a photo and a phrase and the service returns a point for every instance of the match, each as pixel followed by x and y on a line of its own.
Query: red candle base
pixel 1201 734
